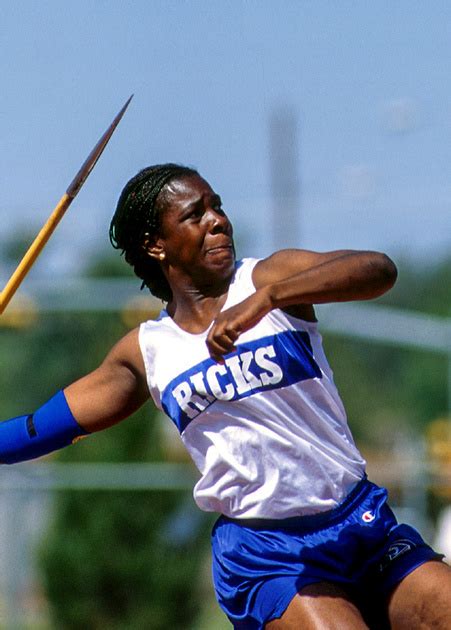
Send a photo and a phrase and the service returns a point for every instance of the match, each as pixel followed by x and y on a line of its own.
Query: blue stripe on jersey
pixel 263 364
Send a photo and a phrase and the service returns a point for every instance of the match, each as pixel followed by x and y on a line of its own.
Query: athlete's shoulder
pixel 284 264
pixel 158 323
pixel 126 351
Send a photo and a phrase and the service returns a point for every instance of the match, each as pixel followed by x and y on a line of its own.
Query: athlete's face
pixel 195 233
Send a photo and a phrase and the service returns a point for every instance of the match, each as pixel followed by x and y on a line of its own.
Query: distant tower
pixel 284 177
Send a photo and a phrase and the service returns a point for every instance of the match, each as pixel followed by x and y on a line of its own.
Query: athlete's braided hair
pixel 137 219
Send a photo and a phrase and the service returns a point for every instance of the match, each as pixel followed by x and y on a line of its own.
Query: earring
pixel 162 256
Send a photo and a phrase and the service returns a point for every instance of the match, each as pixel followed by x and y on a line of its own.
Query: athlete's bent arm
pixel 299 279
pixel 293 277
pixel 102 398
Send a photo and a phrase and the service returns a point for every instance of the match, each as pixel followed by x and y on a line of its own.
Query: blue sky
pixel 367 82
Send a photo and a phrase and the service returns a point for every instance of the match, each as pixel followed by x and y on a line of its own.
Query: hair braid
pixel 137 219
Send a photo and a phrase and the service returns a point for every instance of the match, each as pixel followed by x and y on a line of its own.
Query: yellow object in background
pixel 438 441
pixel 22 313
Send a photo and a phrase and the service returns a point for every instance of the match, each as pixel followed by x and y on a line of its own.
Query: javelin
pixel 41 239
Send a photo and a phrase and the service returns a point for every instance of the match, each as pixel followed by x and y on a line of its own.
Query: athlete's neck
pixel 195 312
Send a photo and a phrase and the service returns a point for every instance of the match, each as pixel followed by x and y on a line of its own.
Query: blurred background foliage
pixel 114 559
pixel 387 390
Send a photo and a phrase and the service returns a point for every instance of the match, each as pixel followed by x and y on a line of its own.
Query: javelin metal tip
pixel 97 151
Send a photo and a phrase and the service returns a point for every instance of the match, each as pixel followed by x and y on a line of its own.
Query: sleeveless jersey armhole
pixel 244 271
pixel 148 355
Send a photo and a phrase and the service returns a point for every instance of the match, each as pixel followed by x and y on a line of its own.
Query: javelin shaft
pixel 33 251
pixel 47 230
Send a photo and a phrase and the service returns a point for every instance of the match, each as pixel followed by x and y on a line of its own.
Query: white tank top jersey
pixel 266 429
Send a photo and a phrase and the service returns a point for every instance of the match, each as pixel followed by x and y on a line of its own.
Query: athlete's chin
pixel 220 256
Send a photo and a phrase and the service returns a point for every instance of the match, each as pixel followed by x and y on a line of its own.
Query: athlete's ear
pixel 154 247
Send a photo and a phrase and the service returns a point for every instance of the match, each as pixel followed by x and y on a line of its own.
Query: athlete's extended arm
pixel 299 279
pixel 102 398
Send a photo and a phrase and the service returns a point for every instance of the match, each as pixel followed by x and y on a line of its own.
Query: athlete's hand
pixel 229 324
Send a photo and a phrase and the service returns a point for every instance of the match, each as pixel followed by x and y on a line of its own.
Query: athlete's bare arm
pixel 114 390
pixel 304 277
pixel 297 279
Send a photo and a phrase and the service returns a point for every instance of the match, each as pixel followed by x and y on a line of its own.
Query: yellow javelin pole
pixel 41 239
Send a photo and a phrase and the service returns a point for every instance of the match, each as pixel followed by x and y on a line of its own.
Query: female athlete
pixel 303 539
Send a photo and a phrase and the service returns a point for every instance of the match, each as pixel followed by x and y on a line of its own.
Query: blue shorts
pixel 260 565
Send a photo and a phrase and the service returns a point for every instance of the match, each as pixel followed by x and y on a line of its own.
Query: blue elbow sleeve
pixel 50 428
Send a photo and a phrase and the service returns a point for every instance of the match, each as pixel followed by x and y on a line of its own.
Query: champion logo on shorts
pixel 368 517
